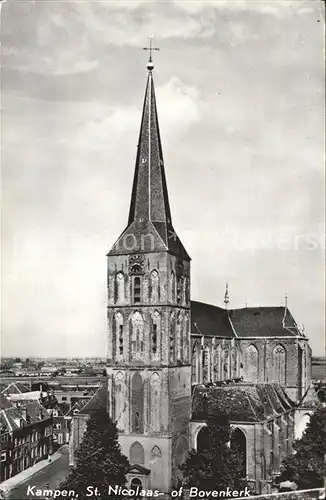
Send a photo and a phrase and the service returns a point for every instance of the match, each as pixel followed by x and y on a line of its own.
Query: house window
pixel 137 290
pixel 64 398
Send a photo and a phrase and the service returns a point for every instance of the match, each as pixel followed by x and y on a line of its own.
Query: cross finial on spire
pixel 286 301
pixel 226 295
pixel 150 65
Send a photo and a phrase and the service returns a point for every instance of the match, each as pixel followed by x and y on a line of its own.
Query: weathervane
pixel 226 295
pixel 150 64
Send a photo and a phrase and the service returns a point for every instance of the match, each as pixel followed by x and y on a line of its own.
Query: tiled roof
pixel 247 322
pixel 242 402
pixel 12 416
pixel 210 320
pixel 15 388
pixel 99 400
pixel 263 322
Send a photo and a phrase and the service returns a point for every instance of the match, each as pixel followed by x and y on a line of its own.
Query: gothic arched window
pixel 226 365
pixel 136 292
pixel 217 363
pixel 179 290
pixel 239 445
pixel 155 402
pixel 155 453
pixel 279 364
pixel 137 455
pixel 156 322
pixel 119 400
pixel 172 336
pixel 137 335
pixel 172 286
pixel 178 336
pixel 206 364
pixel 119 333
pixel 137 404
pixel 202 439
pixel 154 287
pixel 119 287
pixel 252 364
pixel 194 364
pixel 234 362
pixel 185 343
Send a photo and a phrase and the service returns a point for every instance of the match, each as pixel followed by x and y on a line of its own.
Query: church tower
pixel 149 368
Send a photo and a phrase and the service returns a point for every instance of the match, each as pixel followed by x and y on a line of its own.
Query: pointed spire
pixel 226 295
pixel 149 214
pixel 149 200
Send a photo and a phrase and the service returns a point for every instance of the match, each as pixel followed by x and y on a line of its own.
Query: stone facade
pixel 149 360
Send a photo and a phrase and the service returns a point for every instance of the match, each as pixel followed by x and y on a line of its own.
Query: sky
pixel 240 96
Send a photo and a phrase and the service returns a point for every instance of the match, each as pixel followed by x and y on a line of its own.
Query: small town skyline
pixel 240 96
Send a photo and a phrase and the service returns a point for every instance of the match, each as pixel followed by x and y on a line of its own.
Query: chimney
pixel 24 412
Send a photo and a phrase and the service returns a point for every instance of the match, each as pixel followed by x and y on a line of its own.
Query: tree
pixel 100 462
pixel 216 465
pixel 306 466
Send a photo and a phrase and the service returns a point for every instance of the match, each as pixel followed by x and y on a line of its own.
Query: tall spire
pixel 149 199
pixel 149 213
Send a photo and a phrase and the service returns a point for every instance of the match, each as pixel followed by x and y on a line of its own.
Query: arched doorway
pixel 136 485
pixel 136 482
pixel 239 444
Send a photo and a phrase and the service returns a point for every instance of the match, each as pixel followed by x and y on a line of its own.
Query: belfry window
pixel 121 339
pixel 154 339
pixel 137 290
pixel 179 290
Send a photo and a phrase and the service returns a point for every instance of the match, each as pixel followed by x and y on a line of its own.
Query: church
pixel 170 358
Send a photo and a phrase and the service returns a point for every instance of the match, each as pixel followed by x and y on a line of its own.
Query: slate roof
pixel 210 320
pixel 150 224
pixel 264 322
pixel 271 321
pixel 11 416
pixel 96 401
pixel 242 402
pixel 15 388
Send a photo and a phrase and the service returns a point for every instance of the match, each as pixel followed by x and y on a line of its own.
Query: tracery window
pixel 119 332
pixel 137 404
pixel 154 287
pixel 119 287
pixel 252 363
pixel 137 335
pixel 136 289
pixel 279 364
pixel 155 402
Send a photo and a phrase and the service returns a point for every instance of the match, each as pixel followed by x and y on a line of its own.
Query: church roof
pixel 264 322
pixel 207 319
pixel 242 402
pixel 149 225
pixel 270 321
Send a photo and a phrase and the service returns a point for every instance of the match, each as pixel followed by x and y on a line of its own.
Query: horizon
pixel 240 97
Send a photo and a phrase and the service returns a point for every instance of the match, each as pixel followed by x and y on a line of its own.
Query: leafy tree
pixel 100 462
pixel 216 465
pixel 306 466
